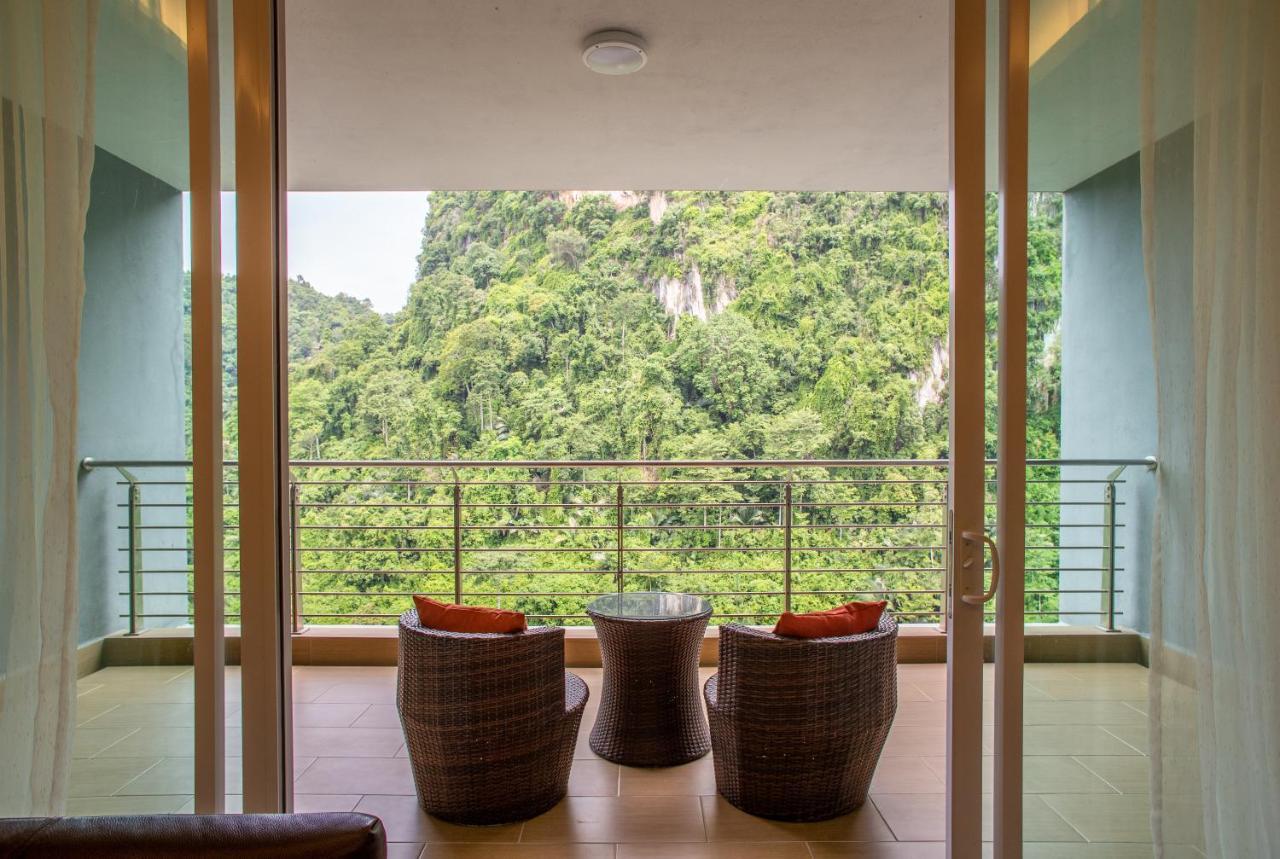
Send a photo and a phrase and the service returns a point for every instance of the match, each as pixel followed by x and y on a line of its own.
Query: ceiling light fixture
pixel 614 52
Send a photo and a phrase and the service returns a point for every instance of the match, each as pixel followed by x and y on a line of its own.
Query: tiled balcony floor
pixel 1086 772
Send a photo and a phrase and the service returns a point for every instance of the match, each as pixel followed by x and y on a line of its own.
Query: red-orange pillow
pixel 467 618
pixel 849 619
pixel 866 614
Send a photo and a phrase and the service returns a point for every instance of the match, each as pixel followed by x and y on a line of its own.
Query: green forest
pixel 656 326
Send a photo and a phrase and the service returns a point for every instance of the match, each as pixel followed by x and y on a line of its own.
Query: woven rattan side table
pixel 650 715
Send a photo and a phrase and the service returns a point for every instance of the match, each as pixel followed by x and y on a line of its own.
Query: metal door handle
pixel 974 599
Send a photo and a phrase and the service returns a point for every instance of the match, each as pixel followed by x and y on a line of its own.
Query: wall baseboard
pixel 377 645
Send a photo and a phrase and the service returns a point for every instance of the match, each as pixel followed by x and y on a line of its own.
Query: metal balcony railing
pixel 755 537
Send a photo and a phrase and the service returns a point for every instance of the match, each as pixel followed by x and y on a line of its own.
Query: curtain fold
pixel 1214 292
pixel 46 137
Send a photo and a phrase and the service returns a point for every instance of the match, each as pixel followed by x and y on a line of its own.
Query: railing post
pixel 135 553
pixel 944 602
pixel 295 556
pixel 618 515
pixel 1109 552
pixel 786 545
pixel 457 541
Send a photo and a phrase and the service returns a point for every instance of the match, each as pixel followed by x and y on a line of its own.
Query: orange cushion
pixel 849 619
pixel 467 618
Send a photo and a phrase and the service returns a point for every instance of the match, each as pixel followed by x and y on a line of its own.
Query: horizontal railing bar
pixel 584 616
pixel 89 463
pixel 520 526
pixel 838 591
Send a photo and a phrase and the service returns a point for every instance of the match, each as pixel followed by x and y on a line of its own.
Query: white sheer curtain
pixel 46 136
pixel 1214 284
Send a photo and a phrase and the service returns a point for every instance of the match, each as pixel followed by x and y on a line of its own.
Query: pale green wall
pixel 132 386
pixel 1108 369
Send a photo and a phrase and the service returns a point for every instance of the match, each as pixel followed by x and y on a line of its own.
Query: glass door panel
pixel 1092 423
pixel 125 736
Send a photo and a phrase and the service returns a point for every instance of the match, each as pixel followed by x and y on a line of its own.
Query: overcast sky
pixel 363 244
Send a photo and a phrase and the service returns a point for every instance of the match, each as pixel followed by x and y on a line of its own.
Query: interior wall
pixel 1108 368
pixel 132 399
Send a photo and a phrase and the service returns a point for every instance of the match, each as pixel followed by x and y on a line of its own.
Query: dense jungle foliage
pixel 655 326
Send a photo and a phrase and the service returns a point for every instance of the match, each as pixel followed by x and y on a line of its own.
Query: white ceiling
pixel 738 94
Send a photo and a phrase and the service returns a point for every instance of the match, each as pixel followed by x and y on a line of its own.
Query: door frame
pixel 966 474
pixel 1011 440
pixel 967 537
pixel 262 379
pixel 209 601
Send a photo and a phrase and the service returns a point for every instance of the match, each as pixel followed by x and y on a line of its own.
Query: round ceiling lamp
pixel 614 52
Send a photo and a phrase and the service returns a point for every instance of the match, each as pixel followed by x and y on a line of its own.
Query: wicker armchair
pixel 797 726
pixel 490 720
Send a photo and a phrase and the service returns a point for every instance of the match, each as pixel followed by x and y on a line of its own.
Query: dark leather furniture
pixel 345 835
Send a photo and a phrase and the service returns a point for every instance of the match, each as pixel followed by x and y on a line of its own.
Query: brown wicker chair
pixel 797 726
pixel 490 720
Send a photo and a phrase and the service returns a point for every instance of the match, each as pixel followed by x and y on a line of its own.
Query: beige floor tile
pixel 716 850
pixel 726 823
pixel 405 821
pixel 1134 735
pixel 913 816
pixel 404 850
pixel 152 673
pixel 518 851
pixel 1126 773
pixel 1073 740
pixel 921 713
pixel 356 775
pixel 616 819
pixel 1040 774
pixel 593 778
pixel 1082 713
pixel 916 741
pixel 358 693
pixel 233 803
pixel 99 805
pixel 1055 774
pixel 333 716
pixel 162 741
pixel 921 817
pixel 693 779
pixel 906 774
pixel 89 742
pixel 1087 851
pixel 375 716
pixel 582 749
pixel 1100 689
pixel 134 715
pixel 105 776
pixel 877 850
pixel 1122 817
pixel 143 692
pixel 308 802
pixel 174 775
pixel 349 742
pixel 909 693
pixel 88 710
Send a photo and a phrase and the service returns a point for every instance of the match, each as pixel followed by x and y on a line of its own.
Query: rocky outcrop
pixel 657 205
pixel 679 296
pixel 688 295
pixel 932 382
pixel 620 199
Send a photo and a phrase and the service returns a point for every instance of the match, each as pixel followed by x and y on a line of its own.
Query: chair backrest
pixel 341 835
pixel 444 671
pixel 807 679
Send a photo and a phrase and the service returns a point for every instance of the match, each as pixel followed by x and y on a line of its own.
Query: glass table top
pixel 649 605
